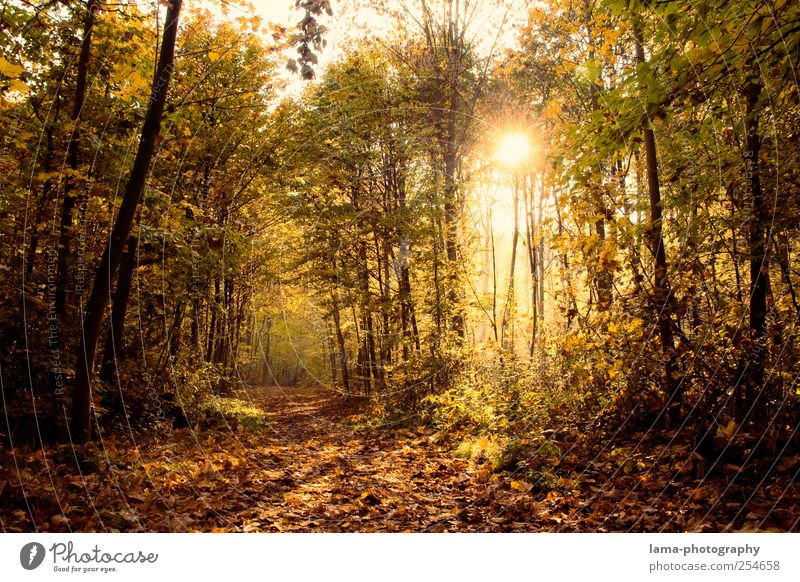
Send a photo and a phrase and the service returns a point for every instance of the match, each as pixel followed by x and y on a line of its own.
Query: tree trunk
pixel 212 326
pixel 451 241
pixel 195 328
pixel 67 207
pixel 116 328
pixel 759 275
pixel 174 339
pixel 530 238
pixel 342 346
pixel 540 245
pixel 781 243
pixel 604 280
pixel 386 338
pixel 42 201
pixel 571 303
pixel 661 286
pixel 331 349
pixel 80 421
pixel 508 308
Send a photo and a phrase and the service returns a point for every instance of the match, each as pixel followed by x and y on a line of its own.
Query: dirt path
pixel 312 469
pixel 322 474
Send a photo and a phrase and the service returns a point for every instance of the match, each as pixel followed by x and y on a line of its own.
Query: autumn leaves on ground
pixel 310 465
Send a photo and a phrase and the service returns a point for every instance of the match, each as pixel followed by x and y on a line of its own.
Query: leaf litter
pixel 312 470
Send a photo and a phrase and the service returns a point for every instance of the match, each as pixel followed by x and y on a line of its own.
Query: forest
pixel 422 265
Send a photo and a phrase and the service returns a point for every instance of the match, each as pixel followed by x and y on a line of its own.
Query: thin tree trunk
pixel 451 246
pixel 508 308
pixel 386 340
pixel 759 274
pixel 571 307
pixel 604 280
pixel 80 421
pixel 212 326
pixel 331 348
pixel 735 247
pixel 495 328
pixel 195 327
pixel 67 207
pixel 116 328
pixel 372 367
pixel 42 201
pixel 530 238
pixel 223 349
pixel 174 338
pixel 661 286
pixel 342 346
pixel 540 245
pixel 781 243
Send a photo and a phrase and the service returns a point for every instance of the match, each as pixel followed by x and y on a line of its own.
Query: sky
pixel 358 18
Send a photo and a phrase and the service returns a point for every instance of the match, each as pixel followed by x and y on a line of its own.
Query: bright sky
pixel 354 19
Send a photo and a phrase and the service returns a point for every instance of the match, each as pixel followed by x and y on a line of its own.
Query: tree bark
pixel 655 235
pixel 67 207
pixel 530 238
pixel 748 394
pixel 116 328
pixel 781 243
pixel 508 308
pixel 80 421
pixel 212 326
pixel 603 280
pixel 342 346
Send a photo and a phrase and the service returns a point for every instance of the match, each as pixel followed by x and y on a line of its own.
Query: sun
pixel 513 149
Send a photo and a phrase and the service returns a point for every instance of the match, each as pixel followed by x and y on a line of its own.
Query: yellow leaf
pixel 10 69
pixel 635 325
pixel 213 56
pixel 590 243
pixel 520 486
pixel 18 86
pixel 727 431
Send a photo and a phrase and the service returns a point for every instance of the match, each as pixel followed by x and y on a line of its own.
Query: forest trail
pixel 325 474
pixel 314 466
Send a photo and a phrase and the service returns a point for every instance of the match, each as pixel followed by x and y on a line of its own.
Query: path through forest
pixel 315 466
pixel 325 474
pixel 312 468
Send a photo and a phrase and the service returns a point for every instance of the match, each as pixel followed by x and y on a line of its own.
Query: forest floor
pixel 314 468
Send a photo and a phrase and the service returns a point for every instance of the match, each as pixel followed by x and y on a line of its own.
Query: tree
pixel 80 422
pixel 662 299
pixel 73 154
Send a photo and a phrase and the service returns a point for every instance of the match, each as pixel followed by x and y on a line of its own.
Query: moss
pixel 234 412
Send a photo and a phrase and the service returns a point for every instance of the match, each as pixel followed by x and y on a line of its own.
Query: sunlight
pixel 502 209
pixel 514 149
